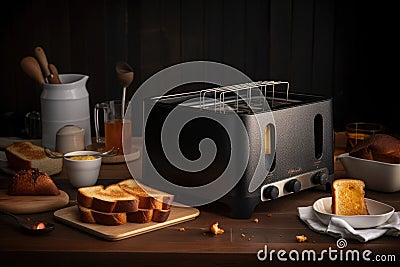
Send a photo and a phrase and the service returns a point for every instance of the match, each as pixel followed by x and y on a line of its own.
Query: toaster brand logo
pixel 340 253
pixel 195 144
pixel 295 170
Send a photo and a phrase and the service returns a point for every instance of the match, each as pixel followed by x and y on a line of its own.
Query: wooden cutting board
pixel 32 204
pixel 70 216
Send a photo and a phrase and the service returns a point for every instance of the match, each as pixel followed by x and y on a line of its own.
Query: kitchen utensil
pixel 379 213
pixel 99 147
pixel 380 176
pixel 70 138
pixel 31 226
pixel 117 130
pixel 83 172
pixel 271 150
pixel 31 204
pixel 65 104
pixel 70 216
pixel 31 67
pixel 109 153
pixel 125 76
pixel 44 65
pixel 54 77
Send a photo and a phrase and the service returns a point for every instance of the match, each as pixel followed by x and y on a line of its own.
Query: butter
pixel 86 157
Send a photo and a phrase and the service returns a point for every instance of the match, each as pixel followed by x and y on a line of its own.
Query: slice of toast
pixel 110 199
pixel 92 216
pixel 348 197
pixel 149 198
pixel 26 155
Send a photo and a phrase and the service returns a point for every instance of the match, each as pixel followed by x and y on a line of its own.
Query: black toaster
pixel 241 144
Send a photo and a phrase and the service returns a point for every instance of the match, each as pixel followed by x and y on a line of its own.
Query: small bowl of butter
pixel 83 167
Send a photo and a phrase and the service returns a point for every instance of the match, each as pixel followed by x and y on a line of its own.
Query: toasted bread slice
pixel 111 199
pixel 93 216
pixel 149 198
pixel 26 155
pixel 348 197
pixel 140 216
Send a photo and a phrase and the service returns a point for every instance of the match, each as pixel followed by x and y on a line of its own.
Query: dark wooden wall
pixel 326 47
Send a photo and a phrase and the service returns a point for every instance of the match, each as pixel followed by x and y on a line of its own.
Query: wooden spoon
pixel 32 68
pixel 41 57
pixel 55 78
pixel 125 76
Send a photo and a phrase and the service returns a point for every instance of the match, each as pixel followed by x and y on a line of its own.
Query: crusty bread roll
pixel 32 182
pixel 348 197
pixel 379 147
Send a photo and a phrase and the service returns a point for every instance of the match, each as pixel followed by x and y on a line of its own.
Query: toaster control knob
pixel 293 185
pixel 271 192
pixel 320 178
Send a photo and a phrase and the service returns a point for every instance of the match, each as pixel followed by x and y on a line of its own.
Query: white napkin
pixel 340 228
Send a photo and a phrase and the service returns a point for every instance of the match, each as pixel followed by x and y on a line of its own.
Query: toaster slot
pixel 269 142
pixel 318 136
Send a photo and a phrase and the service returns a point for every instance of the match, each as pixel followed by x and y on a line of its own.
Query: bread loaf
pixel 32 182
pixel 26 155
pixel 123 202
pixel 379 147
pixel 348 197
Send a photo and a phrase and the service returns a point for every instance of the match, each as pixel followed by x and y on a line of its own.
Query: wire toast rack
pixel 252 97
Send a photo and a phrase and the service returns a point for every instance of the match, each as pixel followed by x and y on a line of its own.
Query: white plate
pixel 380 176
pixel 379 213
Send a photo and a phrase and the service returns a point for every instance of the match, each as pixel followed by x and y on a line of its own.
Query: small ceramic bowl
pixel 81 171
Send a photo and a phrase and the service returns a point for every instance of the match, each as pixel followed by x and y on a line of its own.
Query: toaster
pixel 241 144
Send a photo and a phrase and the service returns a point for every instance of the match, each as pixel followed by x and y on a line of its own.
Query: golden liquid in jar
pixel 113 135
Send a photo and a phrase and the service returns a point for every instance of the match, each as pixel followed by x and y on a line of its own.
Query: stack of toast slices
pixel 122 202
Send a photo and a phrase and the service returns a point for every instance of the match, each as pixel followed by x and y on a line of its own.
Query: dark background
pixel 340 49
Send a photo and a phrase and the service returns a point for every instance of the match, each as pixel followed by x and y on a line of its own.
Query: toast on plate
pixel 348 197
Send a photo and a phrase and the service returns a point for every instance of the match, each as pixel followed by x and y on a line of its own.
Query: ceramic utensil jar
pixel 70 138
pixel 65 104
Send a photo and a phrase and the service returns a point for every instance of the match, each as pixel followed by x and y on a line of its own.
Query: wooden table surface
pixel 277 226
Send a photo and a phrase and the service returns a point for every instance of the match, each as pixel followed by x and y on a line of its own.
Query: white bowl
pixel 380 176
pixel 379 213
pixel 82 172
